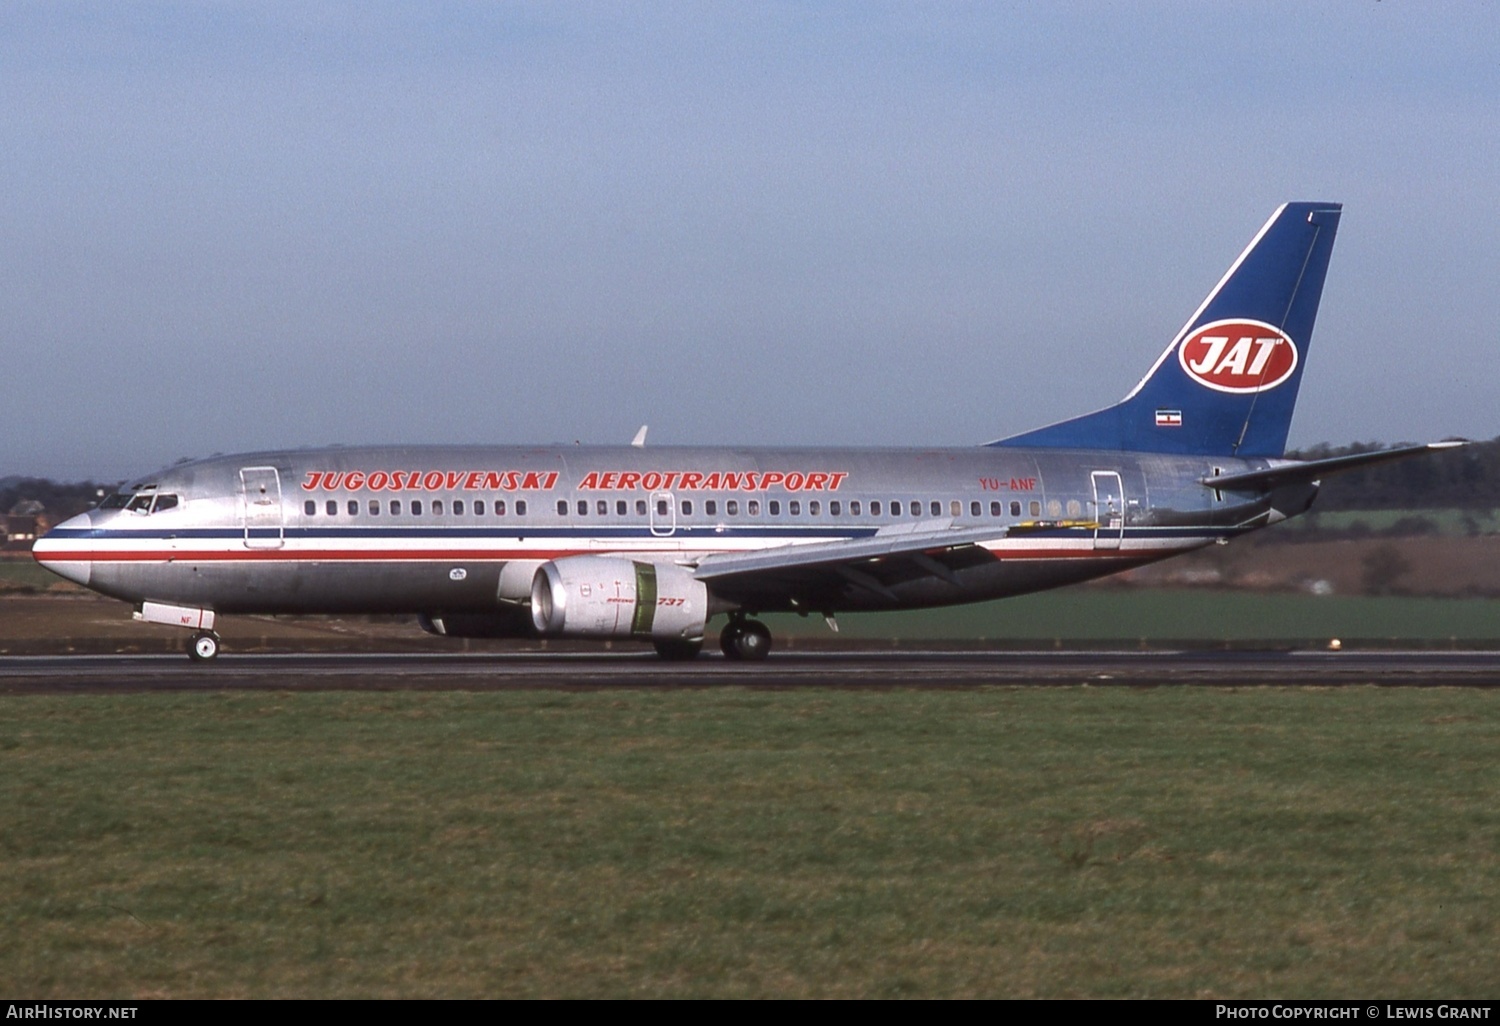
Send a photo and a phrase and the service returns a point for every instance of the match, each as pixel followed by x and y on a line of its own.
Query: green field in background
pixel 1130 615
pixel 1092 615
pixel 27 573
pixel 1009 842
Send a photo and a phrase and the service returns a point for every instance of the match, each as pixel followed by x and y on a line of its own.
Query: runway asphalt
pixel 932 669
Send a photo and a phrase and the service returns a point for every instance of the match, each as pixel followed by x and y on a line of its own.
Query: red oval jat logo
pixel 1238 356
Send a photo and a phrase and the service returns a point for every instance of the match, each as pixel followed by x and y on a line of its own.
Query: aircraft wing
pixel 1301 471
pixel 926 548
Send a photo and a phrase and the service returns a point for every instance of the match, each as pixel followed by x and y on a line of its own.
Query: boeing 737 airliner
pixel 653 543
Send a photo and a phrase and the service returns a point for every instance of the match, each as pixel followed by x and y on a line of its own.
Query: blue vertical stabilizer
pixel 1227 384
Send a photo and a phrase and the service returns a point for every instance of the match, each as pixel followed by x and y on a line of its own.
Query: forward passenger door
pixel 260 508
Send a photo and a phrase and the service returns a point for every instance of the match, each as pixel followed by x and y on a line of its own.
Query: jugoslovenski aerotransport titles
pixel 655 543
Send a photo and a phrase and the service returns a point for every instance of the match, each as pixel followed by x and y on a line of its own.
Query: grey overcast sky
pixel 227 226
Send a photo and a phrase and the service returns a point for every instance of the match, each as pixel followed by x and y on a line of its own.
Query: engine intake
pixel 612 597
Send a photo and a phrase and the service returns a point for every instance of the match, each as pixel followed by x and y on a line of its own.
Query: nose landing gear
pixel 745 640
pixel 203 646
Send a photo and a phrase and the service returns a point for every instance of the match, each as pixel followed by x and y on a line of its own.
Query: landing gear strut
pixel 203 646
pixel 748 640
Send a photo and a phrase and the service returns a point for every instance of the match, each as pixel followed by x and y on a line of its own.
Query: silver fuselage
pixel 396 529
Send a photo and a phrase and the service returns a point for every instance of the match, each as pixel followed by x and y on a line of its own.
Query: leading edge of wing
pixel 1298 472
pixel 927 538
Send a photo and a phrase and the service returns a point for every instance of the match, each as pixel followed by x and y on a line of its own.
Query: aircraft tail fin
pixel 1227 385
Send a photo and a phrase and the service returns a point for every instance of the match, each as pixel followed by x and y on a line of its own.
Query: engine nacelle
pixel 614 597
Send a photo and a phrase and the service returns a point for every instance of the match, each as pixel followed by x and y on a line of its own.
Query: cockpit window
pixel 142 503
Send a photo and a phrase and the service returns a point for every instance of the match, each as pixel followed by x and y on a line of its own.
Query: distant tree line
pixel 59 500
pixel 1467 478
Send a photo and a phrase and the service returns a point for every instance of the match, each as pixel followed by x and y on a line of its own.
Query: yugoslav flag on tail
pixel 1227 384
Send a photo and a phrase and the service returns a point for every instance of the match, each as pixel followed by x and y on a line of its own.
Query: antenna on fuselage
pixel 639 441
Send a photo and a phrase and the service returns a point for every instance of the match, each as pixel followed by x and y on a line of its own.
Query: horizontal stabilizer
pixel 1302 471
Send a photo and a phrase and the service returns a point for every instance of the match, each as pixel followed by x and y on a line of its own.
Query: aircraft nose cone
pixel 60 549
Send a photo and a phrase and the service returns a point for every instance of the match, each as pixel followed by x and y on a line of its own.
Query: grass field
pixel 27 573
pixel 1003 842
pixel 1151 615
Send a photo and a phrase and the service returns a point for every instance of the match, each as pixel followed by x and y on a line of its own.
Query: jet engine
pixel 615 597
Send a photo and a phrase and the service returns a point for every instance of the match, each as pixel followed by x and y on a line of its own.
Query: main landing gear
pixel 748 640
pixel 203 646
pixel 741 640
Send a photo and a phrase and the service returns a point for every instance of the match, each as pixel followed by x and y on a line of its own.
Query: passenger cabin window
pixel 775 505
pixel 458 507
pixel 661 507
pixel 834 508
pixel 874 507
pixel 583 507
pixel 814 508
pixel 754 505
pixel 520 507
pixel 895 508
pixel 437 507
pixel 353 507
pixel 996 508
pixel 935 508
pixel 395 507
pixel 499 507
pixel 974 508
pixel 1015 508
pixel 732 507
pixel 687 507
pixel 309 507
pixel 711 507
pixel 416 507
pixel 562 507
pixel 1036 507
pixel 333 507
pixel 602 507
pixel 640 507
pixel 621 507
pixel 795 508
pixel 956 508
pixel 478 507
pixel 916 508
pixel 374 507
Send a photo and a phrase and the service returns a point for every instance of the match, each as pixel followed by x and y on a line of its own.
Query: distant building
pixel 20 527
